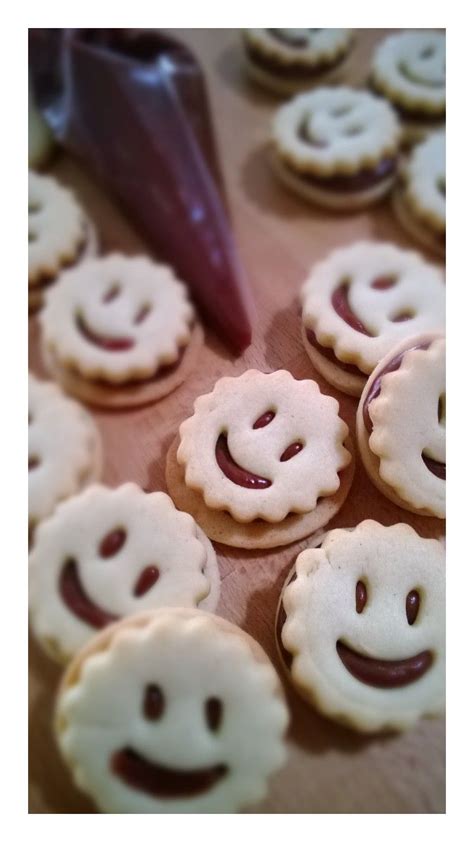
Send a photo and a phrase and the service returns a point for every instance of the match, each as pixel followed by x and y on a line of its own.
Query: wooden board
pixel 329 768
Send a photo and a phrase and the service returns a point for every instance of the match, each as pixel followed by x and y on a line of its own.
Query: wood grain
pixel 329 768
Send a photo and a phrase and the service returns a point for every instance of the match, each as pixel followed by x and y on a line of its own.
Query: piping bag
pixel 132 105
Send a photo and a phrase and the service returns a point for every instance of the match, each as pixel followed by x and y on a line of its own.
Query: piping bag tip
pixel 133 105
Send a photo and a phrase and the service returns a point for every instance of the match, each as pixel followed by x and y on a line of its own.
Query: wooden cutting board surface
pixel 329 768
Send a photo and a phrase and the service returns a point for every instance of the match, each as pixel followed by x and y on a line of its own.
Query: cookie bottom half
pixel 138 393
pixel 350 384
pixel 416 228
pixel 280 86
pixel 342 202
pixel 220 525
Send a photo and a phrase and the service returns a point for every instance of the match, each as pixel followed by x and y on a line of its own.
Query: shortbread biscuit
pixel 116 324
pixel 401 425
pixel 419 200
pixel 337 147
pixel 409 68
pixel 108 553
pixel 64 448
pixel 361 626
pixel 59 234
pixel 172 711
pixel 285 61
pixel 263 456
pixel 360 302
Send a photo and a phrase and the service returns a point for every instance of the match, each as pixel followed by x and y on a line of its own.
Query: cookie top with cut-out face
pixel 335 130
pixel 425 181
pixel 364 299
pixel 64 448
pixel 117 318
pixel 408 435
pixel 365 626
pixel 410 68
pixel 172 711
pixel 108 553
pixel 56 227
pixel 263 445
pixel 306 47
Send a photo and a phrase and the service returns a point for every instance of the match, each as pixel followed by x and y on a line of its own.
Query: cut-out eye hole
pixel 403 316
pixel 33 462
pixel 442 410
pixel 112 543
pixel 412 606
pixel 214 713
pixel 146 579
pixel 142 314
pixel 361 596
pixel 341 111
pixel 153 702
pixel 291 451
pixel 441 185
pixel 352 131
pixel 111 293
pixel 32 237
pixel 428 52
pixel 34 207
pixel 263 420
pixel 384 282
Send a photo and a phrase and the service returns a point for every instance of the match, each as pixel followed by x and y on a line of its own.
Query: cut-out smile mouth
pixel 384 674
pixel 233 471
pixel 108 343
pixel 163 781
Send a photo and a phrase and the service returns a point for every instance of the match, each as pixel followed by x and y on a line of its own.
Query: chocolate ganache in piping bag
pixel 132 104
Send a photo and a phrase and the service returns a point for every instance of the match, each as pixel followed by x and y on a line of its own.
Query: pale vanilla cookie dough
pixel 108 553
pixel 337 147
pixel 262 461
pixel 401 425
pixel 409 68
pixel 64 448
pixel 361 626
pixel 419 200
pixel 360 302
pixel 119 331
pixel 59 234
pixel 172 711
pixel 285 61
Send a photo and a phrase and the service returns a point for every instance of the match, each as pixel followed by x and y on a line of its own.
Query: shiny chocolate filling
pixel 161 781
pixel 383 674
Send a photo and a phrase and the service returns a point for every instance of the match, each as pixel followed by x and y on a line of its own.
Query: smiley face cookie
pixel 361 626
pixel 409 68
pixel 401 425
pixel 118 331
pixel 262 461
pixel 59 234
pixel 108 553
pixel 336 147
pixel 64 449
pixel 173 711
pixel 360 302
pixel 288 60
pixel 419 201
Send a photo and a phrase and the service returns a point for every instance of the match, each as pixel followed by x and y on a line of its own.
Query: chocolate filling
pixel 99 340
pixel 78 602
pixel 233 471
pixel 386 675
pixel 363 180
pixel 292 70
pixel 329 354
pixel 163 781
